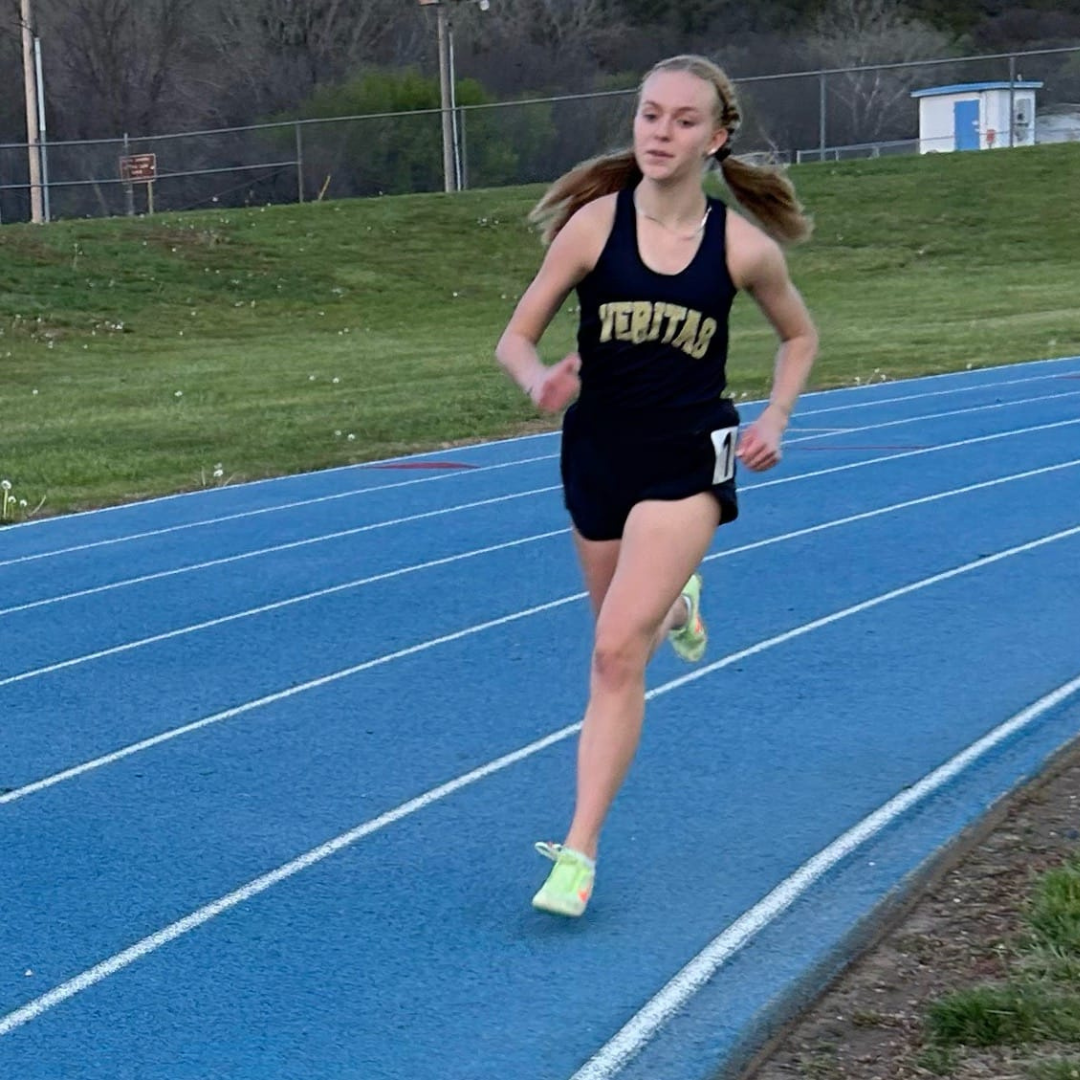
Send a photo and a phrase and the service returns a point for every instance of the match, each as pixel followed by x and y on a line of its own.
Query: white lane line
pixel 485 468
pixel 168 635
pixel 866 515
pixel 347 532
pixel 270 699
pixel 906 454
pixel 269 510
pixel 228 714
pixel 330 590
pixel 941 415
pixel 205 914
pixel 967 373
pixel 276 548
pixel 361 466
pixel 638 1031
pixel 357 583
pixel 899 399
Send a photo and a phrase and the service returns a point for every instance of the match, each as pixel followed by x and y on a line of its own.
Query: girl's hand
pixel 759 446
pixel 559 386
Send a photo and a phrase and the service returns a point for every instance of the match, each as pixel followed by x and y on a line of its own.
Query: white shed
pixel 976 116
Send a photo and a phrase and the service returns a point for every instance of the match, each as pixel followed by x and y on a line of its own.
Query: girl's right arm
pixel 572 254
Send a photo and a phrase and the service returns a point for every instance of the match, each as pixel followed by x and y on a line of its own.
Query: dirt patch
pixel 962 930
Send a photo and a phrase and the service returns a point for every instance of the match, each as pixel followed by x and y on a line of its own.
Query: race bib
pixel 724 441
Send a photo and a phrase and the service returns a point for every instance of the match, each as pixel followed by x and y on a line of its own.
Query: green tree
pixel 368 151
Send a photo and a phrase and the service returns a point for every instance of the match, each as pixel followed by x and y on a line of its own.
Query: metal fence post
pixel 129 187
pixel 822 112
pixel 42 137
pixel 299 161
pixel 1012 100
pixel 463 158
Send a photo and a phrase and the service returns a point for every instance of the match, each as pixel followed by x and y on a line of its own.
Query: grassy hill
pixel 136 355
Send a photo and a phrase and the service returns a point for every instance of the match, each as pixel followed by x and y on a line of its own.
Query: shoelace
pixel 548 850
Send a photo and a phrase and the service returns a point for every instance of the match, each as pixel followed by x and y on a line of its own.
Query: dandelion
pixel 179 394
pixel 335 380
pixel 352 437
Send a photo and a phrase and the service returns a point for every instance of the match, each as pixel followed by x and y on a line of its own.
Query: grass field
pixel 141 356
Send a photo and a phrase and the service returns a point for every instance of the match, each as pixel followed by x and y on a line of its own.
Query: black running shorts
pixel 605 473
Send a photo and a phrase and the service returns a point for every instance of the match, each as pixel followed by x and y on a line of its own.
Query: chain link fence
pixel 802 116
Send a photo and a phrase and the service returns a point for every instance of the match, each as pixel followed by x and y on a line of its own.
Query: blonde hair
pixel 762 191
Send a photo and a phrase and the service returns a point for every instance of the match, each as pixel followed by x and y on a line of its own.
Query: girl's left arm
pixel 768 281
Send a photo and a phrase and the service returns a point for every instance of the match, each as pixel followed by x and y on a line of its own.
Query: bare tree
pixel 541 44
pixel 861 33
pixel 122 65
pixel 12 113
pixel 279 51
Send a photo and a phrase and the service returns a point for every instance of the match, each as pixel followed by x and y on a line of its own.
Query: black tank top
pixel 654 346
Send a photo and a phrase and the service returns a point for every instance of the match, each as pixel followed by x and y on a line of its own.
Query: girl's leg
pixel 598 559
pixel 662 544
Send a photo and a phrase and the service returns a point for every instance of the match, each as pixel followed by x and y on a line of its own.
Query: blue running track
pixel 273 756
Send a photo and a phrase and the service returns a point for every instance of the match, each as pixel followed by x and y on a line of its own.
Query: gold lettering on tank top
pixel 688 333
pixel 638 321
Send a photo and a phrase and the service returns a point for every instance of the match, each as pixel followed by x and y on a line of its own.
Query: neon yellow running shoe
pixel 690 639
pixel 570 883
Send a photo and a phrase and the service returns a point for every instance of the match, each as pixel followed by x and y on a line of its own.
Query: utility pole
pixel 32 113
pixel 453 171
pixel 446 92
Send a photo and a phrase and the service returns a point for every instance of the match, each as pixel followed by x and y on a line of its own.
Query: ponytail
pixel 585 182
pixel 768 196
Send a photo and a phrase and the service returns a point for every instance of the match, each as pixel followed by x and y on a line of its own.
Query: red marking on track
pixel 424 465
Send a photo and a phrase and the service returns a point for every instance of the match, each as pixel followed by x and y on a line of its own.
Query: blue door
pixel 966 124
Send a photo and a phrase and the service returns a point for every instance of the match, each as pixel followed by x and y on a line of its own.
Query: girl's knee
pixel 619 660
